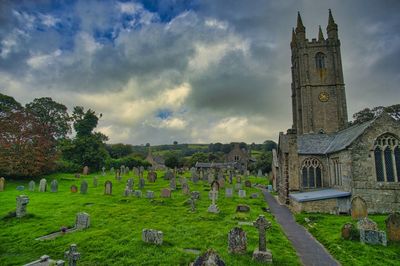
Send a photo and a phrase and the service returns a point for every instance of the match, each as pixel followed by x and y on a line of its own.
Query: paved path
pixel 309 250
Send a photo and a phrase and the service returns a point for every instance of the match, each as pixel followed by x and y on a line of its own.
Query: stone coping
pixel 319 195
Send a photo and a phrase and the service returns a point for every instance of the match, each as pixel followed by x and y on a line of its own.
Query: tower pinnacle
pixel 320 34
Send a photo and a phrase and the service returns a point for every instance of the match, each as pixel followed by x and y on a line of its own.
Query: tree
pixel 198 157
pixel 172 161
pixel 369 114
pixel 8 105
pixel 119 150
pixel 52 115
pixel 175 142
pixel 269 145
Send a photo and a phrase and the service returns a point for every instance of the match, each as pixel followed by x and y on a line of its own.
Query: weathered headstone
pixel 210 258
pixel 169 175
pixel 373 237
pixel 393 226
pixel 22 202
pixel 259 174
pixel 192 203
pixel 237 241
pixel 138 193
pixel 20 188
pixel 242 193
pixel 84 187
pixel 238 187
pixel 242 208
pixel 32 185
pixel 366 224
pixel 215 185
pixel 213 207
pixel 42 185
pixel 165 193
pixel 72 255
pixel 221 182
pixel 152 236
pixel 127 191
pixel 358 208
pixel 103 171
pixel 82 220
pixel 347 231
pixel 195 195
pixel 54 186
pixel 130 183
pixel 2 183
pixel 141 183
pixel 254 195
pixel 185 189
pixel 95 181
pixel 247 183
pixel 152 177
pixel 149 194
pixel 228 192
pixel 108 188
pixel 74 189
pixel 269 188
pixel 262 254
pixel 85 170
pixel 172 184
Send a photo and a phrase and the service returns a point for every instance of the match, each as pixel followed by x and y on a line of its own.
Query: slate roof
pixel 328 143
pixel 319 195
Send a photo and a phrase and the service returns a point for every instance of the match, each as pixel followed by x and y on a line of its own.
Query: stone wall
pixel 322 206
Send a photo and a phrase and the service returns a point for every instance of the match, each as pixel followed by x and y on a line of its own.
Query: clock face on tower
pixel 323 96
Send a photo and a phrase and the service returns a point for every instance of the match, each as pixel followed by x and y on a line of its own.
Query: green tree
pixel 51 114
pixel 368 114
pixel 269 145
pixel 198 157
pixel 119 150
pixel 8 105
pixel 172 161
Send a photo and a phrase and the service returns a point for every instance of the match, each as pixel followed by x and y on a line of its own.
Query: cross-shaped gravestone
pixel 262 225
pixel 73 255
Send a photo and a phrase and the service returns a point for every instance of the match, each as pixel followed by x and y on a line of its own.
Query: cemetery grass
pixel 114 236
pixel 327 229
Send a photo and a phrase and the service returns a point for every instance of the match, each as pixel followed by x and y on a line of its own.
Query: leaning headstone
pixel 228 192
pixel 152 236
pixel 22 201
pixel 95 181
pixel 393 226
pixel 213 208
pixel 247 183
pixel 82 220
pixel 31 185
pixel 149 194
pixel 2 183
pixel 108 188
pixel 165 193
pixel 72 255
pixel 42 185
pixel 210 258
pixel 54 186
pixel 74 189
pixel 358 208
pixel 141 183
pixel 262 254
pixel 192 203
pixel 84 187
pixel 237 241
pixel 85 170
pixel 242 193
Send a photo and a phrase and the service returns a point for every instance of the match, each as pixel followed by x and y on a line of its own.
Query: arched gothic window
pixel 387 158
pixel 311 173
pixel 320 61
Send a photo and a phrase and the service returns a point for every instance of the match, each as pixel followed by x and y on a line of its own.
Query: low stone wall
pixel 322 206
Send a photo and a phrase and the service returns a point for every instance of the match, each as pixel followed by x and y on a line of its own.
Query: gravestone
pixel 141 183
pixel 238 187
pixel 42 185
pixel 95 181
pixel 54 186
pixel 373 237
pixel 192 203
pixel 348 231
pixel 259 174
pixel 238 180
pixel 242 208
pixel 213 208
pixel 242 193
pixel 169 175
pixel 149 194
pixel 195 179
pixel 138 193
pixel 103 171
pixel 228 192
pixel 262 254
pixel 32 185
pixel 247 183
pixel 185 189
pixel 230 177
pixel 210 258
pixel 135 171
pixel 82 220
pixel 165 193
pixel 112 170
pixel 2 183
pixel 152 236
pixel 214 185
pixel 172 184
pixel 20 188
pixel 118 176
pixel 108 188
pixel 237 241
pixel 210 178
pixel 84 187
pixel 195 195
pixel 221 182
pixel 127 191
pixel 130 183
pixel 366 224
pixel 74 189
pixel 152 177
pixel 85 170
pixel 393 226
pixel 269 188
pixel 72 255
pixel 45 260
pixel 358 208
pixel 22 202
pixel 182 180
pixel 254 195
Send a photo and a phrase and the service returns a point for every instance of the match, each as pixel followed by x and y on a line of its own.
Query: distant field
pixel 114 237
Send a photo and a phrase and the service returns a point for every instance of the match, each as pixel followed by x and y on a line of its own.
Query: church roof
pixel 319 195
pixel 329 143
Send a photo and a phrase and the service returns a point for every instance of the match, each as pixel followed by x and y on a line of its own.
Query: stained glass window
pixel 389 165
pixel 378 164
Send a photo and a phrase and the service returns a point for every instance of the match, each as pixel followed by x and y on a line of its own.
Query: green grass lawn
pixel 114 237
pixel 327 229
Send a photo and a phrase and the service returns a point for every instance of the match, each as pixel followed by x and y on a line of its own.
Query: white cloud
pixel 48 20
pixel 43 60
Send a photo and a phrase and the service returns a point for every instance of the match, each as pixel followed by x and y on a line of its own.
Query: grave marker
pixel 32 185
pixel 84 187
pixel 54 186
pixel 22 202
pixel 358 208
pixel 108 188
pixel 237 241
pixel 72 255
pixel 262 254
pixel 42 185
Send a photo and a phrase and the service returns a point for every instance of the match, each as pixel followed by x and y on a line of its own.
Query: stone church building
pixel 322 163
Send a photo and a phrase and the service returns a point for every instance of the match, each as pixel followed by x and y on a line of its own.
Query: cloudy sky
pixel 192 71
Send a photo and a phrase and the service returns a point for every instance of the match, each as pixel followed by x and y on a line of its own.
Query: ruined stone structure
pixel 322 163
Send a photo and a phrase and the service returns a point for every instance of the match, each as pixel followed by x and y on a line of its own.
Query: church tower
pixel 318 93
